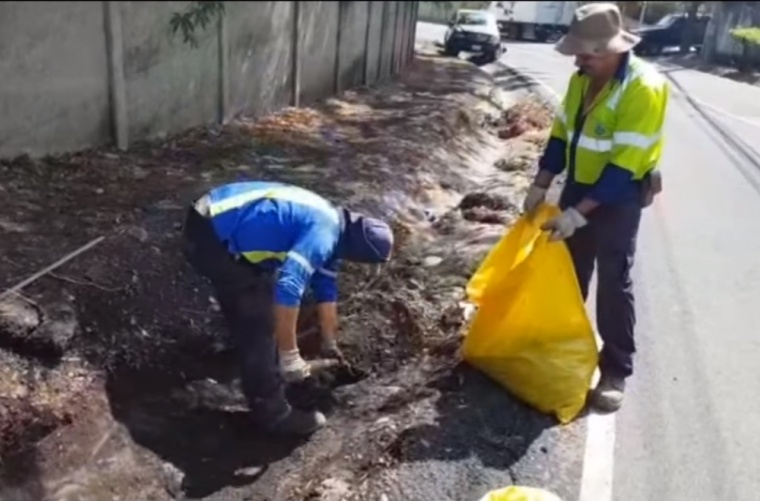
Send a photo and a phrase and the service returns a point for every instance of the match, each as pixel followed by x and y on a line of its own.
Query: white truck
pixel 539 21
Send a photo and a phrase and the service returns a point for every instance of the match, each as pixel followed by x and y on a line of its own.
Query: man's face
pixel 598 65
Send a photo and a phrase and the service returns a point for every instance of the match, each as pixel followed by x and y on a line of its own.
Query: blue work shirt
pixel 284 228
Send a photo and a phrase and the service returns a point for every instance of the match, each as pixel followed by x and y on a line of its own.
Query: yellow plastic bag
pixel 515 493
pixel 531 332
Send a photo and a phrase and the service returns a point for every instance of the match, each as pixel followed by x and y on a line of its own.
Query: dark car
pixel 669 32
pixel 473 31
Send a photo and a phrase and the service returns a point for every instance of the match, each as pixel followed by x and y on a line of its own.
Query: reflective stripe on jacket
pixel 624 127
pixel 281 227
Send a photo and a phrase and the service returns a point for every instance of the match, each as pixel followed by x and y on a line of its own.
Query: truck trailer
pixel 539 21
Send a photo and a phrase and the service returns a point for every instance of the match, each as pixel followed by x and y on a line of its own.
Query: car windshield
pixel 666 21
pixel 473 18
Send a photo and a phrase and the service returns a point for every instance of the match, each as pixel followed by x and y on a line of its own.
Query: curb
pixel 499 68
pixel 531 83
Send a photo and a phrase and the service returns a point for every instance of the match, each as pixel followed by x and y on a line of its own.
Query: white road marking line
pixel 598 459
pixel 599 452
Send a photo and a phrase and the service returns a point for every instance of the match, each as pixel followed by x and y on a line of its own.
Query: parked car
pixel 668 32
pixel 473 31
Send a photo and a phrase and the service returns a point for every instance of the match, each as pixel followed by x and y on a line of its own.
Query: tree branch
pixel 196 17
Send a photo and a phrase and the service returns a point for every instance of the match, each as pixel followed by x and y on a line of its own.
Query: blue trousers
pixel 608 244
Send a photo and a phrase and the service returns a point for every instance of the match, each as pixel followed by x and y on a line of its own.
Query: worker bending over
pixel 261 245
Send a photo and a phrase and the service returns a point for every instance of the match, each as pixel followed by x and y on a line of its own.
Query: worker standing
pixel 261 245
pixel 608 134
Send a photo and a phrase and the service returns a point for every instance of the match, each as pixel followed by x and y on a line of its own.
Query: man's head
pixel 597 39
pixel 366 239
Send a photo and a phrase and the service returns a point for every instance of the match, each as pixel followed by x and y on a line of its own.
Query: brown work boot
pixel 608 394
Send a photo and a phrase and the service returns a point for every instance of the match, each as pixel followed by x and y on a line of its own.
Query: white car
pixel 473 31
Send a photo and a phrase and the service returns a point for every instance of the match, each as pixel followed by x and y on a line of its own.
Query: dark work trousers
pixel 608 242
pixel 245 295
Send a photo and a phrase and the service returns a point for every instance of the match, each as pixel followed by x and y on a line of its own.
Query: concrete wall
pixel 320 49
pixel 374 46
pixel 386 37
pixel 82 74
pixel 719 45
pixel 260 59
pixel 168 83
pixel 53 82
pixel 353 46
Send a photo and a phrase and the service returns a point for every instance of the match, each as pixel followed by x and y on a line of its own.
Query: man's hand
pixel 564 225
pixel 330 349
pixel 535 197
pixel 293 368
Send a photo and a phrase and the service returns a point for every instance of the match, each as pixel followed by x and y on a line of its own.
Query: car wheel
pixel 500 51
pixel 451 52
pixel 554 36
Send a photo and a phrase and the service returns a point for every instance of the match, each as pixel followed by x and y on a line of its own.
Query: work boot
pixel 275 415
pixel 297 422
pixel 608 394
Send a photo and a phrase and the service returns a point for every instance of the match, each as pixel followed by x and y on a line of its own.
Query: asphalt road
pixel 689 427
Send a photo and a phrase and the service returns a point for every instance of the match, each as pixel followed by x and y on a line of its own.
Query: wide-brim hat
pixel 596 28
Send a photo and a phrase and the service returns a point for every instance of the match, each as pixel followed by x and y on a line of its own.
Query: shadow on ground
pixel 475 417
pixel 470 438
pixel 149 324
pixel 213 448
pixel 694 62
pixel 727 140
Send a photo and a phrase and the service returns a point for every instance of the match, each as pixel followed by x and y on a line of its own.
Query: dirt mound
pixel 529 119
pixel 22 422
pixel 123 349
pixel 489 208
pixel 525 115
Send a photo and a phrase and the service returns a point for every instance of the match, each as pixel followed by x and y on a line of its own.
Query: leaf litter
pixel 145 363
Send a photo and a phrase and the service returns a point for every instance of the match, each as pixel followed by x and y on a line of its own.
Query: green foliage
pixel 748 35
pixel 451 6
pixel 198 15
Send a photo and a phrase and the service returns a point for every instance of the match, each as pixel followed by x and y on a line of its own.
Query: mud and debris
pixel 116 377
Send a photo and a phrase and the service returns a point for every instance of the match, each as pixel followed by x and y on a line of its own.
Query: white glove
pixel 535 197
pixel 293 368
pixel 564 225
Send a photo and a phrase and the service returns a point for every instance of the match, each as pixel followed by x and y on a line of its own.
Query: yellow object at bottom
pixel 515 493
pixel 531 332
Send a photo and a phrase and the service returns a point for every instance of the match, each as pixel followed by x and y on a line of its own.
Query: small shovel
pixel 321 364
pixel 346 368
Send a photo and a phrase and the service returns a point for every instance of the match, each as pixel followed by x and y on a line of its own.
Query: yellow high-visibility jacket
pixel 620 140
